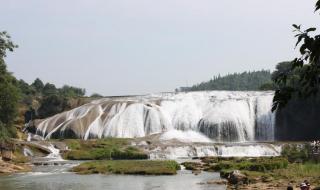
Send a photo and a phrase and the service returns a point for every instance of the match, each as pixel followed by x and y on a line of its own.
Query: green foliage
pixel 94 154
pixel 292 173
pixel 254 164
pixel 308 75
pixel 267 86
pixel 135 167
pixel 129 153
pixel 52 105
pixel 192 165
pixel 19 157
pixel 38 85
pixel 70 91
pixel 4 134
pixel 295 153
pixel 5 44
pixel 9 97
pixel 9 93
pixel 103 149
pixel 237 81
pixel 49 89
pixel 53 100
pixel 96 95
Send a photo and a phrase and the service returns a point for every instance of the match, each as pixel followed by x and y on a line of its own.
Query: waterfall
pixel 221 150
pixel 222 116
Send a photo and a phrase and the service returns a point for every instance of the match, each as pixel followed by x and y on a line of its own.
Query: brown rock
pixel 196 172
pixel 218 182
pixel 236 177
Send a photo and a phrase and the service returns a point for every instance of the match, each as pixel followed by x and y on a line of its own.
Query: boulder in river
pixel 236 177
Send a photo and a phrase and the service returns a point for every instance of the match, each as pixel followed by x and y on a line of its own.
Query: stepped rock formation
pixel 218 115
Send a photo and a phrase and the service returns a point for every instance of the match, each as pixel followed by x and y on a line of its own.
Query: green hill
pixel 254 80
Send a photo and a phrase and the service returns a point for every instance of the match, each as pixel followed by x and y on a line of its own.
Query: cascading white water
pixel 219 115
pixel 221 150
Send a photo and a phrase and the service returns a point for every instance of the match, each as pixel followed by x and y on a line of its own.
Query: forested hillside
pixel 21 102
pixel 255 80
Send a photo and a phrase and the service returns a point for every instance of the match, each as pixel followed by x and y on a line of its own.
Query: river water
pixel 58 178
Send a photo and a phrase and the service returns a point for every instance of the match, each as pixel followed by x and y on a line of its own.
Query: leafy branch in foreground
pixel 306 67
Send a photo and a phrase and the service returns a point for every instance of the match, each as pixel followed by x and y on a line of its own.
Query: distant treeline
pixel 40 89
pixel 255 80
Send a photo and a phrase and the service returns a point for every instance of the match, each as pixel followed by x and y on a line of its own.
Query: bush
pixel 128 155
pixel 52 105
pixel 296 153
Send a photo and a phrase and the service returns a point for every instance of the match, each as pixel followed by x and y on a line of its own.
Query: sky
pixel 122 47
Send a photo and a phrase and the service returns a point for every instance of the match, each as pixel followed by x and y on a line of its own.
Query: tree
pixel 49 89
pixel 237 81
pixel 307 65
pixel 38 85
pixel 25 88
pixel 9 93
pixel 52 105
pixel 70 91
pixel 96 95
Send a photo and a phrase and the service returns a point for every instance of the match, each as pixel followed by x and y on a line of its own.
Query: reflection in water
pixel 61 180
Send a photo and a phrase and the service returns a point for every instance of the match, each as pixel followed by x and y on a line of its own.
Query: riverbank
pixel 7 168
pixel 130 156
pixel 259 173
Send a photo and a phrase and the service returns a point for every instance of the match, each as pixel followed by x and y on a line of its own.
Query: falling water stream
pixel 221 116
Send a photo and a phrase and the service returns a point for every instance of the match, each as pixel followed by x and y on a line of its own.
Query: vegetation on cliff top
pixel 137 167
pixel 37 100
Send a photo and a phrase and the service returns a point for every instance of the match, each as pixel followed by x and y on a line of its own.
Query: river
pixel 58 178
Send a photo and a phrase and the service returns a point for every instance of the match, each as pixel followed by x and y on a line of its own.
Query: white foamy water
pixel 185 136
pixel 221 150
pixel 222 116
pixel 55 153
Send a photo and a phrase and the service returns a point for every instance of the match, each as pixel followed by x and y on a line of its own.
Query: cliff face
pixel 299 121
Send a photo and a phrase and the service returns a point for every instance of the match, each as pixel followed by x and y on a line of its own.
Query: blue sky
pixel 117 47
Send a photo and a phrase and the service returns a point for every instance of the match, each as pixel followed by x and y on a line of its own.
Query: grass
pixel 19 158
pixel 137 167
pixel 296 153
pixel 255 164
pixel 295 165
pixel 102 149
pixel 294 173
pixel 297 172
